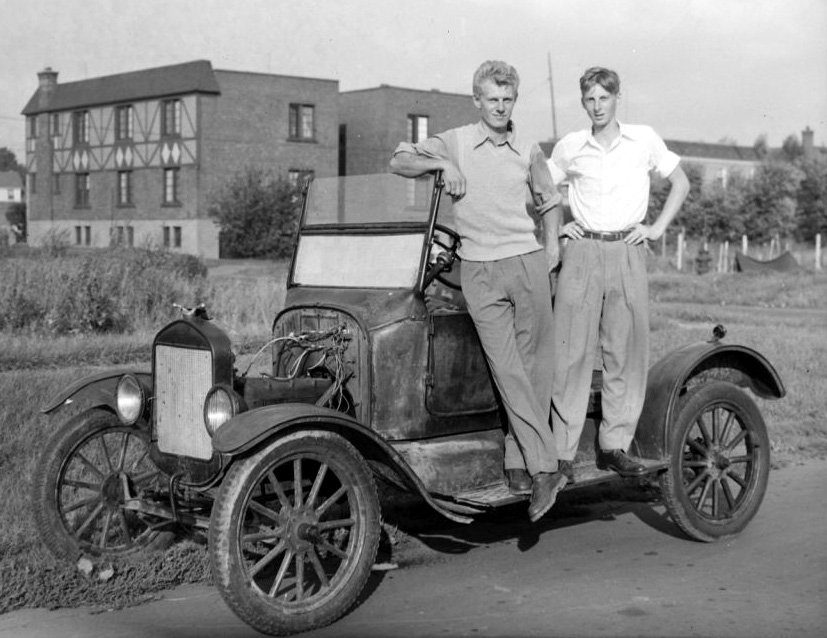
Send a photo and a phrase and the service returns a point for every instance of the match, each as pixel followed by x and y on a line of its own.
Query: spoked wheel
pixel 720 462
pixel 85 472
pixel 294 533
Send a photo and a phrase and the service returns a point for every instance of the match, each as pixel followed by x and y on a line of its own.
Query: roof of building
pixel 10 179
pixel 177 79
pixel 728 152
pixel 388 87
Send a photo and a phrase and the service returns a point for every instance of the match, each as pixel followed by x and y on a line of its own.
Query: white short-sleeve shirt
pixel 608 190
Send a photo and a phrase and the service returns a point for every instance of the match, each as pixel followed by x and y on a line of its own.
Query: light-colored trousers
pixel 510 303
pixel 601 315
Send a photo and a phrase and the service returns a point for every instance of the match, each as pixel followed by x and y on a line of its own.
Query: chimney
pixel 807 142
pixel 48 83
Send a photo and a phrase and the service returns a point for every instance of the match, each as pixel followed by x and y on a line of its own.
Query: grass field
pixel 784 317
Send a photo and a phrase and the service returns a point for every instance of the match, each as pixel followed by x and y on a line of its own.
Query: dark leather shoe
pixel 518 481
pixel 620 462
pixel 544 488
pixel 566 468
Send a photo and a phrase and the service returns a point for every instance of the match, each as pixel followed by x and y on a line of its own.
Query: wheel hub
pixel 111 490
pixel 301 530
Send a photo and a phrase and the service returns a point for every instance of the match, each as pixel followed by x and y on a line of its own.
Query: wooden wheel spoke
pixel 127 536
pixel 298 498
pixel 107 521
pixel 701 423
pixel 331 500
pixel 89 520
pixel 267 558
pixel 299 576
pixel 106 454
pixel 257 537
pixel 343 522
pixel 735 441
pixel 146 477
pixel 285 564
pixel 697 447
pixel 265 511
pixel 730 498
pixel 317 484
pixel 83 485
pixel 697 481
pixel 122 453
pixel 332 549
pixel 699 503
pixel 737 478
pixel 716 498
pixel 90 466
pixel 317 566
pixel 137 462
pixel 279 492
pixel 727 424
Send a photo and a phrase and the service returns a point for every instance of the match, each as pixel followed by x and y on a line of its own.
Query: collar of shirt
pixel 625 131
pixel 481 136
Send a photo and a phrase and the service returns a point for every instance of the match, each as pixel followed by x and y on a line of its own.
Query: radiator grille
pixel 183 376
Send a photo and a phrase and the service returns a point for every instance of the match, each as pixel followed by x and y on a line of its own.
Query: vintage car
pixel 373 372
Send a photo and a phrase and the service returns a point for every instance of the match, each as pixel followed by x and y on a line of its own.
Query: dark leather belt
pixel 605 236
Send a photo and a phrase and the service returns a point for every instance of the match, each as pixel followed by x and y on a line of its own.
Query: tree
pixel 761 146
pixel 8 162
pixel 792 149
pixel 257 214
pixel 769 205
pixel 811 200
pixel 16 217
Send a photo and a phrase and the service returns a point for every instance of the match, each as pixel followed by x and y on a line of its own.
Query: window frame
pixel 414 124
pixel 125 188
pixel 296 124
pixel 124 123
pixel 83 188
pixel 175 187
pixel 81 123
pixel 171 118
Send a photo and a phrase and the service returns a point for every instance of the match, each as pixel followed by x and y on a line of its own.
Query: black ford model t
pixel 374 371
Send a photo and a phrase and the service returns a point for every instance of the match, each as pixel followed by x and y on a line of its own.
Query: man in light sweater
pixel 489 170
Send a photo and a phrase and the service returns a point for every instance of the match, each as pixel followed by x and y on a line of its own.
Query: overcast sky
pixel 695 70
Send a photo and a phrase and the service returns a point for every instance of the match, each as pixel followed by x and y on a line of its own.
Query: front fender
pixel 697 363
pixel 99 389
pixel 248 429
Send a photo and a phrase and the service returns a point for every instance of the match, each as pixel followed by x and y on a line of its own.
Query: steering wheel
pixel 444 259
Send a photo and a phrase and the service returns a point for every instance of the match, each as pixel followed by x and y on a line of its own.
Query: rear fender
pixel 692 365
pixel 248 430
pixel 97 389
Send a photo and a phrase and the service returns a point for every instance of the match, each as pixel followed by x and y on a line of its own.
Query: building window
pixel 417 128
pixel 87 232
pixel 78 235
pixel 124 188
pixel 54 124
pixel 81 127
pixel 123 123
pixel 171 117
pixel 56 184
pixel 172 236
pixel 31 127
pixel 82 190
pixel 130 236
pixel 171 185
pixel 302 121
pixel 298 177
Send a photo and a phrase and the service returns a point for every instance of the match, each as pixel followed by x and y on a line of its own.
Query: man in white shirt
pixel 602 290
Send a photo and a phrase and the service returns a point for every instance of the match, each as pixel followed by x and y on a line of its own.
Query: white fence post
pixel 744 245
pixel 680 251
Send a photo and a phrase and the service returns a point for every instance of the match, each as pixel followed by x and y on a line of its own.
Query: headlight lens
pixel 130 399
pixel 220 406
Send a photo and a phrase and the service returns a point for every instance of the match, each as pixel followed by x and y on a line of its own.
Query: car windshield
pixel 365 231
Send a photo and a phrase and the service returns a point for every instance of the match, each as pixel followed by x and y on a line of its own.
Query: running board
pixel 585 474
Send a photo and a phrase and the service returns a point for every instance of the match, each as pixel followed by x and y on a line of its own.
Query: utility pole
pixel 553 107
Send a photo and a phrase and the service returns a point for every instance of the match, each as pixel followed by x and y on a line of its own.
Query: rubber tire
pixel 238 589
pixel 687 464
pixel 57 456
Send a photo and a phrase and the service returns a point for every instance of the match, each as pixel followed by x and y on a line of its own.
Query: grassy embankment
pixel 244 298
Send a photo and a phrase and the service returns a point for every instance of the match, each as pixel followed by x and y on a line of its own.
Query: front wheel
pixel 294 533
pixel 86 472
pixel 720 461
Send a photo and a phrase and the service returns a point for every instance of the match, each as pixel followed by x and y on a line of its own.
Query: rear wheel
pixel 81 485
pixel 720 461
pixel 294 533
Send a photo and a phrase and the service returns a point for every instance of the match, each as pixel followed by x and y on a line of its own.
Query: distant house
pixel 133 158
pixel 11 192
pixel 375 120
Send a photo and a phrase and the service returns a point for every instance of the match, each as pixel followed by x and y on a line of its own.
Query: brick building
pixel 133 158
pixel 374 121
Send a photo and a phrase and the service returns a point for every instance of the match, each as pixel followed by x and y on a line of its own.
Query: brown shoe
pixel 566 468
pixel 544 490
pixel 620 462
pixel 518 481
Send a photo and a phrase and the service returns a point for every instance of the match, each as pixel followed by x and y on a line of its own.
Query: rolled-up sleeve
pixel 545 193
pixel 433 147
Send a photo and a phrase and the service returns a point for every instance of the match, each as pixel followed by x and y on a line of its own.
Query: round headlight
pixel 220 406
pixel 129 399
